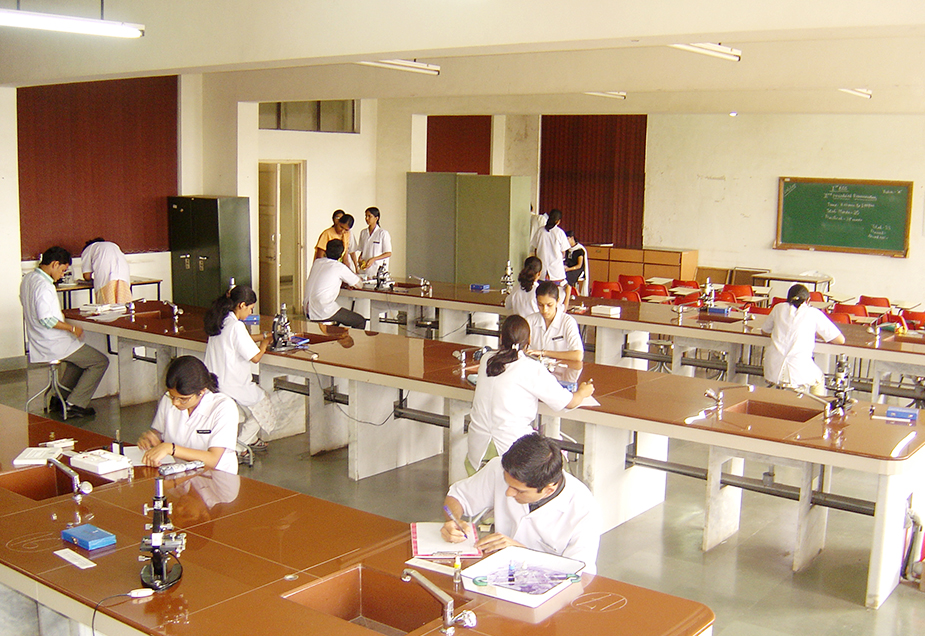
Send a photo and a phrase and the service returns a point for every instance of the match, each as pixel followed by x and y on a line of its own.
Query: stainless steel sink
pixel 774 410
pixel 375 600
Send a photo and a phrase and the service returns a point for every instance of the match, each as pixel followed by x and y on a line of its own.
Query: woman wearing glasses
pixel 193 420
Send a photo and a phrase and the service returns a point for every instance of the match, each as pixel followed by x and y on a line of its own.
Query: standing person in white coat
pixel 549 244
pixel 105 263
pixel 375 245
pixel 509 388
pixel 553 333
pixel 193 420
pixel 793 326
pixel 229 354
pixel 51 338
pixel 536 504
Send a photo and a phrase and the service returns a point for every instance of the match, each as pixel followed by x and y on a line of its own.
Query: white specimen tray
pixel 522 558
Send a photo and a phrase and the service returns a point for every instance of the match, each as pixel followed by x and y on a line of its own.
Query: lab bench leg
pixel 459 444
pixel 724 503
pixel 811 520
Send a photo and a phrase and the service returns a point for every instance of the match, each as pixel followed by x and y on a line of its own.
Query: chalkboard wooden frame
pixel 786 238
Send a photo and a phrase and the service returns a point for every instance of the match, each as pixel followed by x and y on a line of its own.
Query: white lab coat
pixel 371 245
pixel 214 423
pixel 520 302
pixel 562 334
pixel 569 524
pixel 40 300
pixel 106 262
pixel 505 406
pixel 323 286
pixel 789 359
pixel 228 356
pixel 550 248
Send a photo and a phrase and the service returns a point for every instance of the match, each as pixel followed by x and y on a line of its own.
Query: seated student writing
pixel 536 504
pixel 553 333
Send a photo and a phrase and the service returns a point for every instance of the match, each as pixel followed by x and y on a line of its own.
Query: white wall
pixel 11 336
pixel 340 172
pixel 711 184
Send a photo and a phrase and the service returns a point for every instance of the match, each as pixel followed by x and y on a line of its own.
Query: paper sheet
pixel 427 542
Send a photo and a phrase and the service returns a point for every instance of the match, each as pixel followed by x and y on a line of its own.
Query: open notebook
pixel 427 543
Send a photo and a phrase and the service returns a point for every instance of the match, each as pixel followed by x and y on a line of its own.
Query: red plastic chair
pixel 631 296
pixel 777 300
pixel 692 284
pixel 816 297
pixel 653 290
pixel 914 319
pixel 758 310
pixel 739 290
pixel 853 310
pixel 874 301
pixel 727 297
pixel 892 318
pixel 599 288
pixel 692 300
pixel 631 283
pixel 840 318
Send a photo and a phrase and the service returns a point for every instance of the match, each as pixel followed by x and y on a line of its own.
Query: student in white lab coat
pixel 323 287
pixel 374 245
pixel 522 299
pixel 193 420
pixel 229 353
pixel 793 326
pixel 549 244
pixel 536 504
pixel 507 394
pixel 553 333
pixel 51 338
pixel 105 263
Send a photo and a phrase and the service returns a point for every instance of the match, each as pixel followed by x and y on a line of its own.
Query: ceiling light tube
pixel 69 24
pixel 611 94
pixel 412 66
pixel 858 92
pixel 713 50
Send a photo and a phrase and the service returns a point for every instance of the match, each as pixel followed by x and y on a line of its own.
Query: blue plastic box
pixel 88 537
pixel 479 287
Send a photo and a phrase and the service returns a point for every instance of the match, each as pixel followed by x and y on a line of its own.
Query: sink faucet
pixel 833 406
pixel 176 310
pixel 80 488
pixel 466 618
pixel 718 397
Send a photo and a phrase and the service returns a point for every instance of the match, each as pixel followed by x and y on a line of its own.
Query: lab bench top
pixel 248 545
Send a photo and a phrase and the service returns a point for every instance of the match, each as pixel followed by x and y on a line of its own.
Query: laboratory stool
pixel 54 387
pixel 243 451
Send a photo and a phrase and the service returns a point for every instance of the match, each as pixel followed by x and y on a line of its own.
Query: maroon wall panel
pixel 592 167
pixel 97 159
pixel 459 143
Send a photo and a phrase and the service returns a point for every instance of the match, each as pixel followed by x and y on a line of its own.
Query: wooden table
pixel 250 543
pixel 87 285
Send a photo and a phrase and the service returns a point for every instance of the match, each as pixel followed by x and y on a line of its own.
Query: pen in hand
pixel 449 513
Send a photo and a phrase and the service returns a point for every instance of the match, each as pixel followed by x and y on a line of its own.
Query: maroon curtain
pixel 97 159
pixel 459 143
pixel 592 167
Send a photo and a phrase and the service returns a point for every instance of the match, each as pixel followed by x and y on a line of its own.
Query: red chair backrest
pixel 631 283
pixel 914 319
pixel 888 317
pixel 874 301
pixel 631 296
pixel 692 300
pixel 600 287
pixel 685 283
pixel 854 310
pixel 777 300
pixel 653 290
pixel 726 297
pixel 756 309
pixel 816 297
pixel 839 317
pixel 739 290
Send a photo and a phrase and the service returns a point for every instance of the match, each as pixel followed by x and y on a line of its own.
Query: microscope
pixel 282 332
pixel 507 281
pixel 383 278
pixel 161 544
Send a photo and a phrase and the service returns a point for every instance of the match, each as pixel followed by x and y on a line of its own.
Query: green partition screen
pixel 838 215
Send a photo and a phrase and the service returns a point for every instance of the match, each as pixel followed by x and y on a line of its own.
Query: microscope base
pixel 148 578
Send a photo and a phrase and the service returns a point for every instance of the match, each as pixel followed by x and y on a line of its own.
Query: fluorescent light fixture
pixel 611 94
pixel 69 24
pixel 714 50
pixel 866 93
pixel 733 114
pixel 901 445
pixel 412 66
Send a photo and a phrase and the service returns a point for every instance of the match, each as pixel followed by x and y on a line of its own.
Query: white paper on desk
pixel 426 542
pixel 109 316
pixel 134 453
pixel 589 401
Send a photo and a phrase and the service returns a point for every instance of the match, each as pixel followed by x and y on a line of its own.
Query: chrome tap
pixel 718 397
pixel 176 310
pixel 829 409
pixel 465 618
pixel 80 488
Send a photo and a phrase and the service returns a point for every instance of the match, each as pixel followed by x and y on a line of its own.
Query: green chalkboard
pixel 839 215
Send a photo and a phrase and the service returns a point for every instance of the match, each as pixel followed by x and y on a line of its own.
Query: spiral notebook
pixel 427 543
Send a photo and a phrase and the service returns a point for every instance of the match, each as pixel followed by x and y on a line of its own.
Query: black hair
pixel 98 239
pixel 347 220
pixel 515 336
pixel 188 375
pixel 797 295
pixel 535 460
pixel 553 219
pixel 548 288
pixel 375 212
pixel 528 275
pixel 569 234
pixel 337 214
pixel 56 253
pixel 224 305
pixel 334 249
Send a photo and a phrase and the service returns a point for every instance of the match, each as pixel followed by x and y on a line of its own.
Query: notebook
pixel 33 456
pixel 427 543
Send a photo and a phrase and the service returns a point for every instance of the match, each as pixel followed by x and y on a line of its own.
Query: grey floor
pixel 747 581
